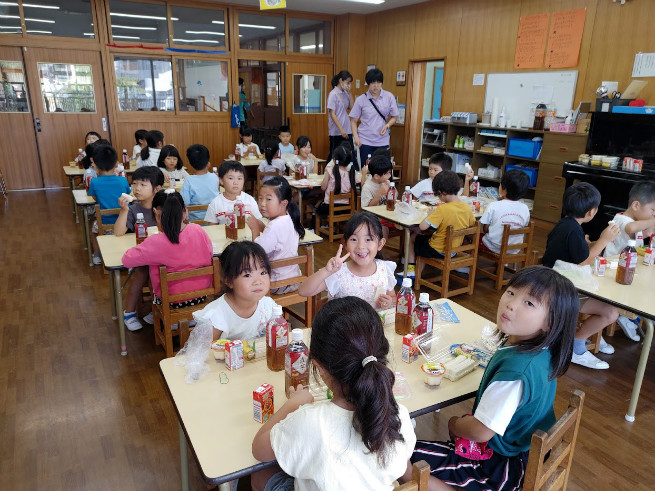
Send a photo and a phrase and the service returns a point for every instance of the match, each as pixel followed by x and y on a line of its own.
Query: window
pixel 138 22
pixel 66 88
pixel 310 36
pixel 309 94
pixel 261 32
pixel 203 85
pixel 67 18
pixel 13 91
pixel 144 84
pixel 10 18
pixel 199 26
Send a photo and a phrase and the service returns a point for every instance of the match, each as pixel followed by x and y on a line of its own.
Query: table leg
pixel 71 182
pixel 86 232
pixel 112 293
pixel 300 204
pixel 184 460
pixel 641 368
pixel 118 291
pixel 407 236
pixel 225 486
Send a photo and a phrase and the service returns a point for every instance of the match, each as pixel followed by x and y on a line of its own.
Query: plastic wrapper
pixel 408 213
pixel 580 275
pixel 193 356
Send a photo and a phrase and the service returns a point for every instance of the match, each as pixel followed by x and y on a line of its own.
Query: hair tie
pixel 368 359
pixel 349 166
pixel 169 191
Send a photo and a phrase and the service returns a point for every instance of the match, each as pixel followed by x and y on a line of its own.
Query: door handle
pixel 38 125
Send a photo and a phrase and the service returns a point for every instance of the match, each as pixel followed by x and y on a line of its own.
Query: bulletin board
pixel 516 92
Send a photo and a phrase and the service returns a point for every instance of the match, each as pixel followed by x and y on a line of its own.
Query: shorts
pixel 423 248
pixel 285 289
pixel 180 305
pixel 280 482
pixel 498 472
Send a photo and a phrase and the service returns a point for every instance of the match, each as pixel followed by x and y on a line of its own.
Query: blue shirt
pixel 199 190
pixel 106 190
pixel 288 149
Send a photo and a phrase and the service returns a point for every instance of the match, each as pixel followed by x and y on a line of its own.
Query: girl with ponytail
pixel 361 438
pixel 150 154
pixel 339 178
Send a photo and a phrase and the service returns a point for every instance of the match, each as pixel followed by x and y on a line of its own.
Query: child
pixel 271 163
pixel 90 170
pixel 285 145
pixel 141 143
pixel 231 175
pixel 202 187
pixel 568 242
pixel 243 309
pixel 439 161
pixel 509 210
pixel 89 138
pixel 538 313
pixel 171 164
pixel 304 153
pixel 247 147
pixel 281 236
pixel 374 189
pixel 106 189
pixel 339 178
pixel 361 438
pixel 150 154
pixel 364 276
pixel 180 246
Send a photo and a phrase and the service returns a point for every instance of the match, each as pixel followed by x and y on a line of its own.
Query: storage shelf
pixel 522 158
pixel 493 135
pixel 433 145
pixel 459 149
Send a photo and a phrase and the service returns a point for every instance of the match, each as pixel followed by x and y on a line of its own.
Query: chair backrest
pixel 520 250
pixel 165 278
pixel 469 246
pixel 420 478
pixel 307 259
pixel 551 453
pixel 191 208
pixel 104 228
pixel 261 175
pixel 345 209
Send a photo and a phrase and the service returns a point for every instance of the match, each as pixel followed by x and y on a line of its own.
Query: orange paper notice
pixel 531 41
pixel 566 31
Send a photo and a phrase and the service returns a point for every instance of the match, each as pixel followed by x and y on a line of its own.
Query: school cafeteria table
pixel 85 202
pixel 312 181
pixel 112 249
pixel 216 413
pixel 637 298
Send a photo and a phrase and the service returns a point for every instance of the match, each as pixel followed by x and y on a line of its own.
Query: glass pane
pixel 309 93
pixel 144 84
pixel 67 88
pixel 262 32
pixel 198 26
pixel 139 22
pixel 261 94
pixel 13 91
pixel 9 18
pixel 203 85
pixel 67 18
pixel 310 36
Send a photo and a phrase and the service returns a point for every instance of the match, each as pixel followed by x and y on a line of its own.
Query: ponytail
pixel 343 157
pixel 270 149
pixel 153 138
pixel 342 75
pixel 172 212
pixel 283 192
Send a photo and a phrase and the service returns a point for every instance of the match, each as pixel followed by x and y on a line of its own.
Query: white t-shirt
pixel 369 189
pixel 343 283
pixel 497 215
pixel 617 245
pixel 498 404
pixel 276 164
pixel 175 173
pixel 318 445
pixel 152 159
pixel 220 204
pixel 422 190
pixel 295 160
pixel 223 318
pixel 244 149
pixel 280 241
pixel 136 151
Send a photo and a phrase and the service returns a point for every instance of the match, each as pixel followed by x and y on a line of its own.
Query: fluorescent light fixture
pixel 45 21
pixel 211 33
pixel 114 26
pixel 9 4
pixel 39 32
pixel 52 7
pixel 374 2
pixel 256 26
pixel 9 27
pixel 134 16
pixel 89 34
pixel 196 41
pixel 126 37
pixel 10 17
pixel 311 46
pixel 218 22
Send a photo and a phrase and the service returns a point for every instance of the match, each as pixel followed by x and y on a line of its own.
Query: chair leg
pixel 417 273
pixel 445 281
pixel 500 274
pixel 183 327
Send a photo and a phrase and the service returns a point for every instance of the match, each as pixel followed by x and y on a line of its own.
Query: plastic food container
pixel 584 159
pixel 596 159
pixel 610 162
pixel 433 373
pixel 218 349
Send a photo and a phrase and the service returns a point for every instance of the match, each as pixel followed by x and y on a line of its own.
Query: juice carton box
pixel 600 264
pixel 234 355
pixel 410 350
pixel 262 403
pixel 649 256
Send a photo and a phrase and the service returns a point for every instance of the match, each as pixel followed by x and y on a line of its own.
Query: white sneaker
pixel 97 260
pixel 605 348
pixel 628 327
pixel 149 318
pixel 587 359
pixel 132 322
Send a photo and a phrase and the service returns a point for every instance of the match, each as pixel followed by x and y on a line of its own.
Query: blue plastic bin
pixel 530 171
pixel 527 149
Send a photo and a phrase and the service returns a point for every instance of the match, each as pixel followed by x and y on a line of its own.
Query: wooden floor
pixel 77 415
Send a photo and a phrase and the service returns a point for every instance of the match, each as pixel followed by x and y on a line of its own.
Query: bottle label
pixel 407 198
pixel 404 304
pixel 141 231
pixel 239 209
pixel 278 335
pixel 628 259
pixel 296 363
pixel 230 220
pixel 422 320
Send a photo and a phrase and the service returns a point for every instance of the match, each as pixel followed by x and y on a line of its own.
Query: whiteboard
pixel 516 91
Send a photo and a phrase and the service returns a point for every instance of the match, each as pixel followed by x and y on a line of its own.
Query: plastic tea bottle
pixel 171 183
pixel 240 213
pixel 392 194
pixel 237 153
pixel 126 159
pixel 423 314
pixel 405 308
pixel 120 170
pixel 277 339
pixel 140 228
pixel 368 159
pixel 539 117
pixel 231 226
pixel 80 156
pixel 474 188
pixel 627 264
pixel 296 362
pixel 215 171
pixel 407 196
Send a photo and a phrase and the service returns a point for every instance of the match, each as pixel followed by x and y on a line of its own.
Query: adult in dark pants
pixel 339 102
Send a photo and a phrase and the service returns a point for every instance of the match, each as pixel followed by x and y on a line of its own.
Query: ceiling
pixel 334 7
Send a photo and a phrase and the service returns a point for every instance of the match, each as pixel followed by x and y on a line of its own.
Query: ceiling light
pixel 117 14
pixel 125 37
pixel 114 26
pixel 89 34
pixel 196 41
pixel 210 33
pixel 374 2
pixel 9 4
pixel 311 46
pixel 52 7
pixel 10 17
pixel 39 32
pixel 46 21
pixel 218 22
pixel 9 27
pixel 256 27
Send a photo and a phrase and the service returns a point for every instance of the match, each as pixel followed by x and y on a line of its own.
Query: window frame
pixel 42 99
pixel 171 31
pixel 323 99
pixel 120 42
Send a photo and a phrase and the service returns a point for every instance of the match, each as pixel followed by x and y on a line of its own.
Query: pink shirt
pixel 280 241
pixel 339 102
pixel 345 184
pixel 371 123
pixel 194 251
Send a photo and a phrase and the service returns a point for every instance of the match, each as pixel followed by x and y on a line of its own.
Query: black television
pixel 623 135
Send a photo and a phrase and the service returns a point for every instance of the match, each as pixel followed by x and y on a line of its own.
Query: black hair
pixel 240 81
pixel 153 138
pixel 379 165
pixel 169 151
pixel 446 182
pixel 342 157
pixel 302 142
pixel 89 149
pixel 374 75
pixel 105 157
pixel 149 173
pixel 345 331
pixel 198 156
pixel 229 165
pixel 238 257
pixel 92 133
pixel 551 288
pixel 284 129
pixel 442 159
pixel 385 152
pixel 245 131
pixel 579 199
pixel 283 192
pixel 140 135
pixel 172 212
pixel 271 147
pixel 370 221
pixel 342 75
pixel 643 192
pixel 515 182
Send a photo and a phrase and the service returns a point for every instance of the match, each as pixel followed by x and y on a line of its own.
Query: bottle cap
pixel 475 178
pixel 406 188
pixel 632 242
pixel 125 150
pixel 392 184
pixel 79 150
pixel 139 216
pixel 407 282
pixel 424 297
pixel 296 335
pixel 214 169
pixel 277 309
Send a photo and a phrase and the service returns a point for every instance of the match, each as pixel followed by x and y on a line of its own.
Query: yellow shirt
pixel 456 213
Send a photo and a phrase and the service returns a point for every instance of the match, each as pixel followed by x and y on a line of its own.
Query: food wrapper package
pixel 408 213
pixel 193 356
pixel 580 275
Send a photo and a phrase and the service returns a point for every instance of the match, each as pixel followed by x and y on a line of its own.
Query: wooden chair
pixel 338 213
pixel 165 317
pixel 517 254
pixel 3 186
pixel 466 255
pixel 293 298
pixel 261 176
pixel 108 227
pixel 551 453
pixel 191 208
pixel 420 476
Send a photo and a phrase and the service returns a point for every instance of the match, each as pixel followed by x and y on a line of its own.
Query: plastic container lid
pixel 424 297
pixel 407 282
pixel 139 216
pixel 277 309
pixel 296 335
